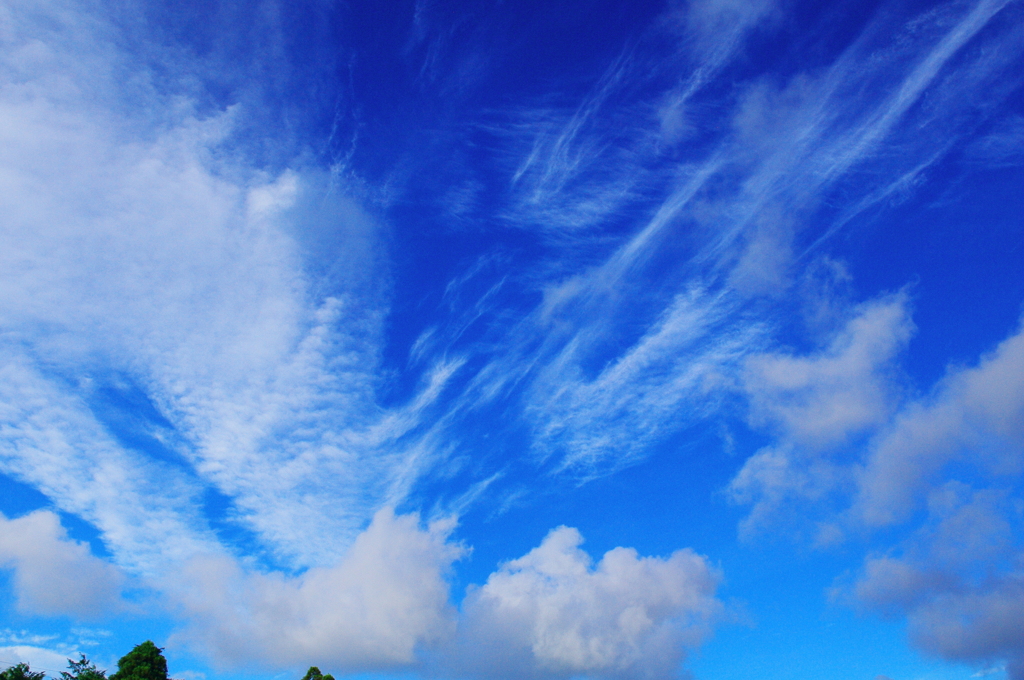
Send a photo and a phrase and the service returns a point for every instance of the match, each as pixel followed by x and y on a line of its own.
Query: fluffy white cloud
pixel 54 575
pixel 551 613
pixel 375 609
pixel 974 414
pixel 959 578
pixel 823 399
pixel 386 605
pixel 847 394
pixel 817 405
pixel 858 459
pixel 958 456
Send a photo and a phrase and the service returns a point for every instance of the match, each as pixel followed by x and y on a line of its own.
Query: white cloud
pixel 762 268
pixel 824 399
pixel 386 605
pixel 612 418
pixel 1001 147
pixel 817 405
pixel 135 244
pixel 11 637
pixel 54 575
pixel 248 308
pixel 47 653
pixel 551 613
pixel 375 609
pixel 798 141
pixel 832 398
pixel 987 671
pixel 958 578
pixel 975 414
pixel 739 219
pixel 953 457
pixel 722 19
pixel 51 439
pixel 38 658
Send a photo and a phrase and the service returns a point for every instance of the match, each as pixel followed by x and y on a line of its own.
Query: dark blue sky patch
pixel 130 416
pixel 19 498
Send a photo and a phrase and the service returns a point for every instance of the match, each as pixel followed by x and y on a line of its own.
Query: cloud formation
pixel 944 467
pixel 375 609
pixel 817 405
pixel 38 658
pixel 552 613
pixel 975 415
pixel 613 359
pixel 957 455
pixel 385 606
pixel 149 258
pixel 55 575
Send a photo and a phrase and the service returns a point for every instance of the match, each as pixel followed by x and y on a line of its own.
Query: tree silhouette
pixel 83 669
pixel 20 672
pixel 144 662
pixel 314 674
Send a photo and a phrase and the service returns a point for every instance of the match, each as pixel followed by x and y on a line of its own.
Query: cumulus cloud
pixel 552 613
pixel 375 609
pixel 817 405
pixel 957 455
pixel 137 243
pixel 823 399
pixel 974 414
pixel 849 395
pixel 945 466
pixel 53 574
pixel 385 605
pixel 959 577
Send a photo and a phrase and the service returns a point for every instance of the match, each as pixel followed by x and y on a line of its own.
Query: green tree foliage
pixel 20 672
pixel 145 662
pixel 314 674
pixel 83 669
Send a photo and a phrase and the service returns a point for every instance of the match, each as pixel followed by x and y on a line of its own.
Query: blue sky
pixel 514 339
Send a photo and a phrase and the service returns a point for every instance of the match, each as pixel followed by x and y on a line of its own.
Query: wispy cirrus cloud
pixel 734 228
pixel 849 445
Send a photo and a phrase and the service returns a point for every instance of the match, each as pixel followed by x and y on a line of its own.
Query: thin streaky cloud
pixel 820 146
